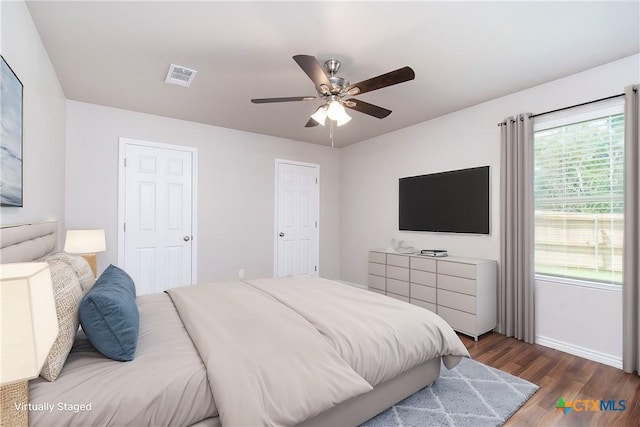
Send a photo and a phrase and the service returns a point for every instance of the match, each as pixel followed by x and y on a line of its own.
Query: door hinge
pixel 316 224
pixel 125 162
pixel 124 226
pixel 315 268
pixel 316 180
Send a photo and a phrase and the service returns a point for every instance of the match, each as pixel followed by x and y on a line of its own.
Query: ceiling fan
pixel 333 90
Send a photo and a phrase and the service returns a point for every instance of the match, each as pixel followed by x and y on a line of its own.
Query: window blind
pixel 578 192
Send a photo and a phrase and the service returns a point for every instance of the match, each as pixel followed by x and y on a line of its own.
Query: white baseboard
pixel 586 353
pixel 357 285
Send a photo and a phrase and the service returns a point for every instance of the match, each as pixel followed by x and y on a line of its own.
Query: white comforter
pixel 378 336
pixel 279 351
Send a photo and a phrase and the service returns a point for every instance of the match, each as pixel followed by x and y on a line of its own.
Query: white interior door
pixel 297 241
pixel 157 219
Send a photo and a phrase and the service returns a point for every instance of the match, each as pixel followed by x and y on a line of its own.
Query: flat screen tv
pixel 453 202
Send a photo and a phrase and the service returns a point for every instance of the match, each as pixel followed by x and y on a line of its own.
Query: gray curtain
pixel 631 260
pixel 516 285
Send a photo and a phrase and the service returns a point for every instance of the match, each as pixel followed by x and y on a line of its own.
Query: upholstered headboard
pixel 28 242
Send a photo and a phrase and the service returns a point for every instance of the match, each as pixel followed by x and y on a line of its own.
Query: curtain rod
pixel 579 105
pixel 574 106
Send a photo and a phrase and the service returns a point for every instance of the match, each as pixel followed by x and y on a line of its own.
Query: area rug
pixel 472 394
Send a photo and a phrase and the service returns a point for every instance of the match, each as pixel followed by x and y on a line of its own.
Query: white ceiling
pixel 117 54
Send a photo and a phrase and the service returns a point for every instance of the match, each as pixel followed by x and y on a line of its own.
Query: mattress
pixel 166 384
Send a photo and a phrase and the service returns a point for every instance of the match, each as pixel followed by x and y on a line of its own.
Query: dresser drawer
pixel 379 257
pixel 424 264
pixel 423 278
pixel 429 306
pixel 457 284
pixel 457 301
pixel 457 269
pixel 424 293
pixel 377 291
pixel 398 260
pixel 377 282
pixel 377 269
pixel 398 273
pixel 459 320
pixel 398 297
pixel 398 287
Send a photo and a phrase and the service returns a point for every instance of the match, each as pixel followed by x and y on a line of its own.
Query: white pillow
pixel 67 293
pixel 80 266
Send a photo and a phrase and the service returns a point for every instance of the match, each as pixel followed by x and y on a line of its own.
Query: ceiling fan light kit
pixel 332 89
pixel 343 120
pixel 320 115
pixel 335 111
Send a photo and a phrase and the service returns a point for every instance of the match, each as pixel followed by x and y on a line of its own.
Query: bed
pixel 295 351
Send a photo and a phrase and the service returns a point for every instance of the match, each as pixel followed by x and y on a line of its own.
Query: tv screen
pixel 454 201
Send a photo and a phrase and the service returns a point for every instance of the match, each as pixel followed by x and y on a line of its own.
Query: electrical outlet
pixel 241 273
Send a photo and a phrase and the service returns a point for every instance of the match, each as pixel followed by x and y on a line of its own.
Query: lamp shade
pixel 344 119
pixel 320 115
pixel 85 242
pixel 335 111
pixel 29 321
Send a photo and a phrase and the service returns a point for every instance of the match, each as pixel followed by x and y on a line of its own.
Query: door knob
pixel 186 238
pixel 281 234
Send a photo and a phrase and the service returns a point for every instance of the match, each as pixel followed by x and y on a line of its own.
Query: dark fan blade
pixel 311 123
pixel 311 66
pixel 289 99
pixel 384 80
pixel 366 108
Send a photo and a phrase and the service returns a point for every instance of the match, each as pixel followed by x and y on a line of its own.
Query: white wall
pixel 43 119
pixel 235 187
pixel 369 173
pixel 585 321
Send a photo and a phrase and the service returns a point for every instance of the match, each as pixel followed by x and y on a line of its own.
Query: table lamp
pixel 29 329
pixel 87 243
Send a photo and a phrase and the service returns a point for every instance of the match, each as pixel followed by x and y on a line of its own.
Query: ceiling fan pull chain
pixel 331 132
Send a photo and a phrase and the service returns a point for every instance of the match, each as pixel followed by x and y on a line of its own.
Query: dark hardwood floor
pixel 560 375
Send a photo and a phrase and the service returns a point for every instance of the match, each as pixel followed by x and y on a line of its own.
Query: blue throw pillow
pixel 109 315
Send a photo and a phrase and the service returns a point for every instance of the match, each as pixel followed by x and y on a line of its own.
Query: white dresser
pixel 463 291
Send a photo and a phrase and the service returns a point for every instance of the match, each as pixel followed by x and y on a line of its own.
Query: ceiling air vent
pixel 181 76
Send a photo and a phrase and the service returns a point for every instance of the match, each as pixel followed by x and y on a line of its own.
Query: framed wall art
pixel 11 99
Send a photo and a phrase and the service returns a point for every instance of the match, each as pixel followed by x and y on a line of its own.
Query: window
pixel 578 192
